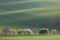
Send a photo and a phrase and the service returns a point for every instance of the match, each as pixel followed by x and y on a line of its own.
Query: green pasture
pixel 30 14
pixel 53 37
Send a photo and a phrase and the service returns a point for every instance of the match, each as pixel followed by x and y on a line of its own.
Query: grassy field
pixel 34 14
pixel 54 37
pixel 30 13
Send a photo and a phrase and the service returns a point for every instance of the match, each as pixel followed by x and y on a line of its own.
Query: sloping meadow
pixel 30 13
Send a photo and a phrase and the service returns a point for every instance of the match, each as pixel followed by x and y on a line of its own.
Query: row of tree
pixel 7 31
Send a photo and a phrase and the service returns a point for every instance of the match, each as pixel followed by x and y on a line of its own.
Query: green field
pixel 30 13
pixel 34 14
pixel 55 37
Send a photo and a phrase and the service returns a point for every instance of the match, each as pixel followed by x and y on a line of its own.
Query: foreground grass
pixel 53 37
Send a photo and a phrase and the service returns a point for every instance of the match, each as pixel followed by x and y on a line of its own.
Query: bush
pixel 43 31
pixel 28 32
pixel 54 31
pixel 24 32
pixel 5 31
pixel 12 32
pixel 0 34
pixel 20 32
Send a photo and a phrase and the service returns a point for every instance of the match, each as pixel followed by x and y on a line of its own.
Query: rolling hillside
pixel 30 13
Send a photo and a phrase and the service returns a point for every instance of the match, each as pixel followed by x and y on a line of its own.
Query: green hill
pixel 30 13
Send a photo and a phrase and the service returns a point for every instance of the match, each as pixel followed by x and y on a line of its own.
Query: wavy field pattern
pixel 30 13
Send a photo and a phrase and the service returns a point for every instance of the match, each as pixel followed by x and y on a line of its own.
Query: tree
pixel 43 31
pixel 5 30
pixel 54 31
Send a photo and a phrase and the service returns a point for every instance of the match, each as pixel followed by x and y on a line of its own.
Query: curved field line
pixel 33 9
pixel 17 2
pixel 25 10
